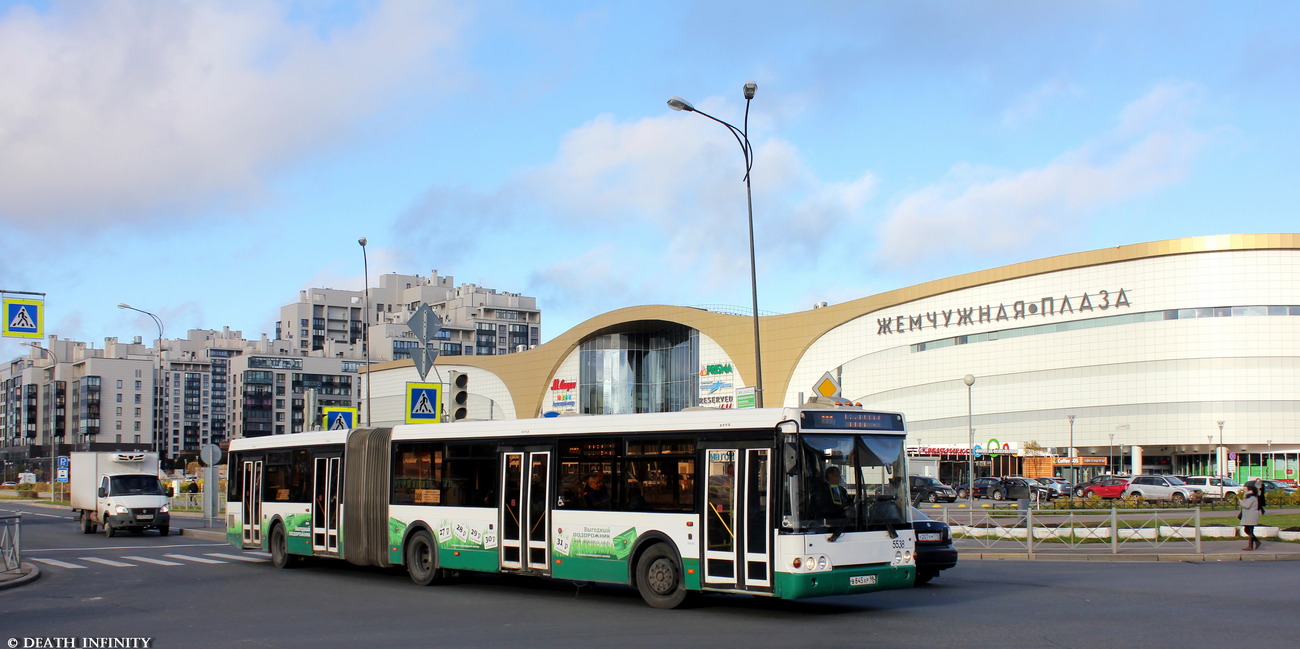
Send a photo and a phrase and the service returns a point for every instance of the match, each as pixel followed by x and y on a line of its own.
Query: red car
pixel 1108 488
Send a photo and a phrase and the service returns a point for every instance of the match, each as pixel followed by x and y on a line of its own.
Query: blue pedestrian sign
pixel 24 318
pixel 423 403
pixel 340 418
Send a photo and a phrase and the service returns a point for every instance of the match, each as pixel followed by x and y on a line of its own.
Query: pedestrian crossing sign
pixel 423 403
pixel 340 418
pixel 24 318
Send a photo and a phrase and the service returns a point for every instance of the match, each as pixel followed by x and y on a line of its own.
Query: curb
pixel 33 573
pixel 206 535
pixel 1129 558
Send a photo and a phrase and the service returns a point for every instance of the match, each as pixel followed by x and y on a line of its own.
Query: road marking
pixel 183 557
pixel 127 547
pixel 158 562
pixel 109 562
pixel 238 558
pixel 56 562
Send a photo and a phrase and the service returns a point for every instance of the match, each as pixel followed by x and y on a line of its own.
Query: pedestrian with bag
pixel 1249 515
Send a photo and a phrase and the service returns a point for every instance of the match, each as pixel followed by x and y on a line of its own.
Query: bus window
pixel 471 475
pixel 417 472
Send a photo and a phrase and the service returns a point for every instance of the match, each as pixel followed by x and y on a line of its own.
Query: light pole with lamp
pixel 1074 470
pixel 54 394
pixel 1110 452
pixel 365 323
pixel 969 380
pixel 1209 442
pixel 160 391
pixel 1270 458
pixel 742 137
pixel 1218 451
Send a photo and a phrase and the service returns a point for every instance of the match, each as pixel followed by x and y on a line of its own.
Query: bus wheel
pixel 280 557
pixel 422 559
pixel 659 578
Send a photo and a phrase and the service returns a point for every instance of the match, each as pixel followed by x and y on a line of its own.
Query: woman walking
pixel 1250 510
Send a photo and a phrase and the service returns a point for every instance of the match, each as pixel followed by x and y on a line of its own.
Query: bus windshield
pixel 844 483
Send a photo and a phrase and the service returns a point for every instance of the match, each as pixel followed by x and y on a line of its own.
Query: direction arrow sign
pixel 424 323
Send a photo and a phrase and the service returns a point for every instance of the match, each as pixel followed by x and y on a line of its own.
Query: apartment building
pixel 475 320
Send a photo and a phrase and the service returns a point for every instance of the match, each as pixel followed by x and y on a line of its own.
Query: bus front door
pixel 250 486
pixel 525 519
pixel 738 523
pixel 326 504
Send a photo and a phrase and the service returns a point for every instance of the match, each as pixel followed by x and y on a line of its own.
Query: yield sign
pixel 425 324
pixel 423 358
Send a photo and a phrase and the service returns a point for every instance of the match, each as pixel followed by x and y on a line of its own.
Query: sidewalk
pixel 1211 551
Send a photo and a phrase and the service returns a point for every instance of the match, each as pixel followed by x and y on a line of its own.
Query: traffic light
pixel 458 396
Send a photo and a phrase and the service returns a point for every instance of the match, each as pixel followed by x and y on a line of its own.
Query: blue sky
pixel 206 161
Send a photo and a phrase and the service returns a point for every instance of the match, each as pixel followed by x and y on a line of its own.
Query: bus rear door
pixel 250 477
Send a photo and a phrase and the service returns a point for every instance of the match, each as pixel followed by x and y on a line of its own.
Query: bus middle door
pixel 326 503
pixel 525 510
pixel 250 477
pixel 737 519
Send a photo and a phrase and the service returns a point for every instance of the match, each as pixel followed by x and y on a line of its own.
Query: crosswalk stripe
pixel 184 557
pixel 108 562
pixel 56 562
pixel 157 562
pixel 237 557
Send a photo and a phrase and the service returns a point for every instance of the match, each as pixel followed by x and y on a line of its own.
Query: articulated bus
pixel 780 502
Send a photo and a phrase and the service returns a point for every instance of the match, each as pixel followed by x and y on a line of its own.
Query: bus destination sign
pixel 852 419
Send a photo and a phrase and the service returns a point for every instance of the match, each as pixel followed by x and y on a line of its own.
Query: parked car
pixel 1216 488
pixel 1108 488
pixel 1095 480
pixel 1057 487
pixel 1277 486
pixel 930 489
pixel 980 489
pixel 1013 488
pixel 1162 487
pixel 934 549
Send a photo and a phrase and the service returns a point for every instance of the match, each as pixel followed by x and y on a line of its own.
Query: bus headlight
pixel 822 563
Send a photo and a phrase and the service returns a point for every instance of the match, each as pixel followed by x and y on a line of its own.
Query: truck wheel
pixel 108 528
pixel 87 526
pixel 164 530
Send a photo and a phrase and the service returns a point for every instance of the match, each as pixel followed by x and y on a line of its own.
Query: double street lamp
pixel 160 391
pixel 365 323
pixel 742 138
pixel 54 425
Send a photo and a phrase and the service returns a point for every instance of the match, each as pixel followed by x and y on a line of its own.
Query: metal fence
pixel 187 502
pixel 1016 529
pixel 11 542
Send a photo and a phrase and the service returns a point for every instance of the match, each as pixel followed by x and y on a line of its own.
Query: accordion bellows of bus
pixel 781 502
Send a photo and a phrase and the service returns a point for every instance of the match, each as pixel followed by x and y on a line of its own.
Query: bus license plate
pixel 929 536
pixel 862 580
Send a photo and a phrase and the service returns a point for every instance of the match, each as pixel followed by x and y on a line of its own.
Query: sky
pixel 205 161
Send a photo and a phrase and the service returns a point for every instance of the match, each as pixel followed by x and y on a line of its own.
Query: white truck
pixel 119 491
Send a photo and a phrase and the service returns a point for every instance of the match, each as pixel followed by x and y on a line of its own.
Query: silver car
pixel 1057 487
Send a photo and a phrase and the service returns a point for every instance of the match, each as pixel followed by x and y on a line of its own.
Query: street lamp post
pixel 54 440
pixel 742 137
pixel 1110 452
pixel 969 380
pixel 365 323
pixel 1271 475
pixel 1219 451
pixel 1209 442
pixel 1074 470
pixel 160 390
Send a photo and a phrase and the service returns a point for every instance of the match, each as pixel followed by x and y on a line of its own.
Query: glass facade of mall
pixel 623 373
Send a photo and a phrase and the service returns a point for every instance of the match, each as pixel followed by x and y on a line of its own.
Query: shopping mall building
pixel 1178 356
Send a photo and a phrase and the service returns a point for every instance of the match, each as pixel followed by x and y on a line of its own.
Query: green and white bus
pixel 735 501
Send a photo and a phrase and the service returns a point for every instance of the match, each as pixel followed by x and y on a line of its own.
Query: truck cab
pixel 133 501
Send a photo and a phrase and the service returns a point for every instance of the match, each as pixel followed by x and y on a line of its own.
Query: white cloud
pixel 977 210
pixel 1032 103
pixel 128 110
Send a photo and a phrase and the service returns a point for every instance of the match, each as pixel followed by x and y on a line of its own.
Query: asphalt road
pixel 236 599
